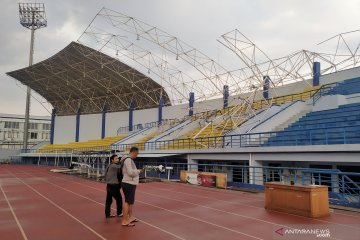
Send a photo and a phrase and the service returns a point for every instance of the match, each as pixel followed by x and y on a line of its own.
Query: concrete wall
pixel 144 116
pixel 5 154
pixel 64 129
pixel 354 98
pixel 90 127
pixel 329 102
pixel 340 76
pixel 285 157
pixel 281 117
pixel 114 121
pixel 250 124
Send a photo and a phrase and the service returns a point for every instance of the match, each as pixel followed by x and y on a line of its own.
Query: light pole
pixel 33 17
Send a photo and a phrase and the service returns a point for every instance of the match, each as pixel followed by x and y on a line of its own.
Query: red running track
pixel 38 204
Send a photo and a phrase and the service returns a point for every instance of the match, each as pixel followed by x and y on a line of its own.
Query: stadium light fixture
pixel 33 17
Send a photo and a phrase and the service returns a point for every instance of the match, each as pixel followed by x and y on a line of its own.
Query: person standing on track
pixel 113 185
pixel 129 183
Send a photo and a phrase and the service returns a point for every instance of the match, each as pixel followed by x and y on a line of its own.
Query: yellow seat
pixel 93 144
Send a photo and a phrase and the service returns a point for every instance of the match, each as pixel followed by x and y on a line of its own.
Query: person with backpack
pixel 129 182
pixel 113 178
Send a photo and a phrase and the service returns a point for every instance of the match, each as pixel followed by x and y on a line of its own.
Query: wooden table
pixel 309 201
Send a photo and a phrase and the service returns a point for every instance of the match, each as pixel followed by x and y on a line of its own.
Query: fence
pixel 344 187
pixel 318 136
pixel 322 91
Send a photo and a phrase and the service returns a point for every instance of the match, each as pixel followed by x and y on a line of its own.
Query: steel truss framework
pixel 178 68
pixel 297 66
pixel 110 31
pixel 115 33
pixel 81 77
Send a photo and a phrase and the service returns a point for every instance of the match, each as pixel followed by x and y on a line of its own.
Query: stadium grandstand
pixel 255 117
pixel 294 119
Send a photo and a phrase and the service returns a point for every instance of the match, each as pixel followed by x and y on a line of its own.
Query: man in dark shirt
pixel 113 187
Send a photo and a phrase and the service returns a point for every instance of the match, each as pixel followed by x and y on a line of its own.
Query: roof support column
pixel 52 126
pixel 266 87
pixel 103 121
pixel 191 103
pixel 160 112
pixel 226 96
pixel 131 112
pixel 316 74
pixel 77 130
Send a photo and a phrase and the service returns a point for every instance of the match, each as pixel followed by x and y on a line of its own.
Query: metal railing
pixel 343 188
pixel 323 91
pixel 230 141
pixel 316 136
pixel 138 127
pixel 135 128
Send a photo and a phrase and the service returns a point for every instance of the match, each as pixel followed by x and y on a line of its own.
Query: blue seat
pixel 333 126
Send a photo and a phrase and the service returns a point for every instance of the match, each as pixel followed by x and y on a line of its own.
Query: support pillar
pixel 226 96
pixel 131 112
pixel 77 130
pixel 255 171
pixel 191 103
pixel 160 112
pixel 103 122
pixel 266 87
pixel 52 126
pixel 316 74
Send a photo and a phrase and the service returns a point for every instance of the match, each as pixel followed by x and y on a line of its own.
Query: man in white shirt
pixel 129 182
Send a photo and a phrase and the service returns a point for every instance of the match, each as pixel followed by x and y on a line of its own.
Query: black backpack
pixel 119 173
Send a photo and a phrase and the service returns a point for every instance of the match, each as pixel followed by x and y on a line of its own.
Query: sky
pixel 279 27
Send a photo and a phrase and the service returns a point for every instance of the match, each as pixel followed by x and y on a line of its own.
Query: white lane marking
pixel 56 205
pixel 311 219
pixel 244 204
pixel 283 213
pixel 13 213
pixel 211 198
pixel 178 213
pixel 158 228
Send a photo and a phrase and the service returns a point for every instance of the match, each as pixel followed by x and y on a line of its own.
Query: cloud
pixel 277 26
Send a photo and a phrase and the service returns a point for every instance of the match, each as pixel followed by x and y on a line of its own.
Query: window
pixel 33 135
pixel 46 126
pixel 9 135
pixel 33 126
pixel 15 125
pixel 45 135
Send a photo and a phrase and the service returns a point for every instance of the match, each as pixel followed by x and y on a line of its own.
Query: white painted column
pixel 335 180
pixel 193 168
pixel 255 174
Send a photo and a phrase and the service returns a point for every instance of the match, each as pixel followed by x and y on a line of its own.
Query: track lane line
pixel 99 203
pixel 59 207
pixel 14 215
pixel 318 220
pixel 168 210
pixel 247 205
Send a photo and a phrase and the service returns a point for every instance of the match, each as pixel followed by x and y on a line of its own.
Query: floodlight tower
pixel 33 17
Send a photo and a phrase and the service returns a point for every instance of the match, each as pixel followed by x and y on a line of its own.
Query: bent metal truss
pixel 96 71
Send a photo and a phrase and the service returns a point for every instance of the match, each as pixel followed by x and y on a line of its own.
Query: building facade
pixel 12 131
